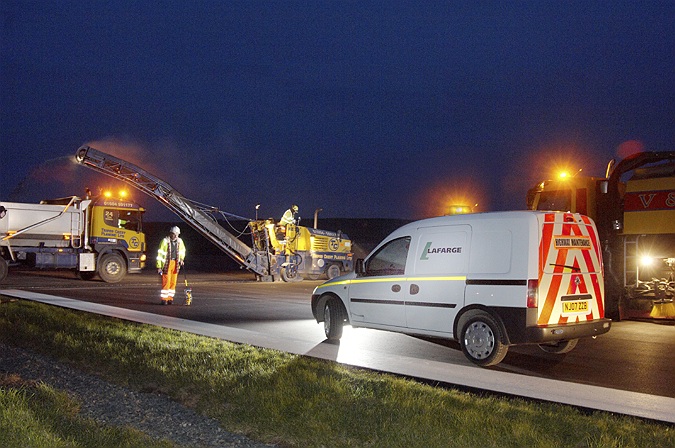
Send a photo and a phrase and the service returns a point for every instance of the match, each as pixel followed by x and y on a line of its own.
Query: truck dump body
pixel 43 224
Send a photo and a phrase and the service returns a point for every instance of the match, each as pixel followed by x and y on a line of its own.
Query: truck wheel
pixel 333 319
pixel 4 269
pixel 333 271
pixel 560 347
pixel 289 273
pixel 112 268
pixel 481 338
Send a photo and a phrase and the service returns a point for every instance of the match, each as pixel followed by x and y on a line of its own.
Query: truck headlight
pixel 646 260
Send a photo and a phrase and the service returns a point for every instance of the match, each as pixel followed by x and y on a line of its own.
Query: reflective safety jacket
pixel 164 254
pixel 288 218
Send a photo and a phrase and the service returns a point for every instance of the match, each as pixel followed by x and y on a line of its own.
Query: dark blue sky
pixel 365 109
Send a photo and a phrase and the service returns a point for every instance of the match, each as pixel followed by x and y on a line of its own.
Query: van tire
pixel 112 268
pixel 482 339
pixel 560 347
pixel 333 319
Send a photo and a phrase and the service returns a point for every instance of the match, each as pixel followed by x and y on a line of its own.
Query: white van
pixel 488 280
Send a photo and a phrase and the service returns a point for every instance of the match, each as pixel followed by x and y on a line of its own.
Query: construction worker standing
pixel 170 258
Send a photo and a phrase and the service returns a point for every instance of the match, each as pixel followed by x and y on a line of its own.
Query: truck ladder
pixel 255 261
pixel 630 260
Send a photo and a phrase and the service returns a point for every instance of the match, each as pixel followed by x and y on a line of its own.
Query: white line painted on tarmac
pixel 592 397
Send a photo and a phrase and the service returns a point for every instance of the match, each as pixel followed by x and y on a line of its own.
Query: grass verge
pixel 38 416
pixel 297 401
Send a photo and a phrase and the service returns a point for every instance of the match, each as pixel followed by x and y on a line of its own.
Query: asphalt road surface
pixel 633 356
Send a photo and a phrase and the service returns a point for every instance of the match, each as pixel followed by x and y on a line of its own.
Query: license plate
pixel 575 307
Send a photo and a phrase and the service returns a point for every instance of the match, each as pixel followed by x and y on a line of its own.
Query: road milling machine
pixel 634 209
pixel 299 252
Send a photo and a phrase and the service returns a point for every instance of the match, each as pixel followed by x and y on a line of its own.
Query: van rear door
pixel 570 270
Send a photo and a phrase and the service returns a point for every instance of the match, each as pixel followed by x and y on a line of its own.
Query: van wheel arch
pixel 321 304
pixel 468 312
pixel 482 336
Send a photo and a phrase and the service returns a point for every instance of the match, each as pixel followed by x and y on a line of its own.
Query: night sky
pixel 384 109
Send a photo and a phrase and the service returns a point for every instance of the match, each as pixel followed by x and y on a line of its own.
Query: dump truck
pixel 92 236
pixel 300 253
pixel 633 206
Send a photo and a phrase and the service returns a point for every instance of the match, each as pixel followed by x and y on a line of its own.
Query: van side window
pixel 389 259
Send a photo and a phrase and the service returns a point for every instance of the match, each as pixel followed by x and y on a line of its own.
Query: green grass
pixel 296 401
pixel 37 416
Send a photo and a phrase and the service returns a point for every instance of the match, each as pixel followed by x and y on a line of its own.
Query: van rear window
pixel 569 250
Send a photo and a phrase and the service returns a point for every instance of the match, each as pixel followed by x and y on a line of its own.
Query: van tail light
pixel 532 294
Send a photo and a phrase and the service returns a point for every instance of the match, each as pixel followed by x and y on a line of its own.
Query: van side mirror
pixel 604 186
pixel 359 268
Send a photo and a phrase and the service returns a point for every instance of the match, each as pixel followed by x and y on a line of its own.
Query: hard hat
pixel 294 208
pixel 175 230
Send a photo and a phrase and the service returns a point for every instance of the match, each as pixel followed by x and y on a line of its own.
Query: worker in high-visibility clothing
pixel 170 258
pixel 289 216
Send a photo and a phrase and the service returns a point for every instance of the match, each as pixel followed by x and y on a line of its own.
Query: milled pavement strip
pixel 591 397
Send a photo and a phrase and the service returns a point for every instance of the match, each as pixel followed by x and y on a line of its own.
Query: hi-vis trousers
pixel 169 282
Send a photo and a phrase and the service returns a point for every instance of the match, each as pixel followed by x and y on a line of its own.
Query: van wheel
pixel 333 271
pixel 560 347
pixel 333 319
pixel 481 338
pixel 112 268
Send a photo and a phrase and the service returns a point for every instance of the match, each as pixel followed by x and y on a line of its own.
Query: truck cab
pixel 116 230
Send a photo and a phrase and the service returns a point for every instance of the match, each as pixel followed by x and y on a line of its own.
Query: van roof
pixel 469 218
